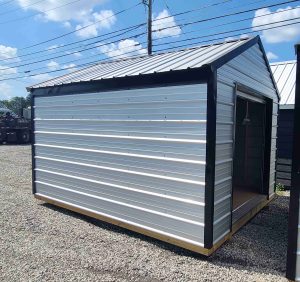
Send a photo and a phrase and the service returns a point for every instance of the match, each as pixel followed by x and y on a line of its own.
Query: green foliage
pixel 279 187
pixel 16 104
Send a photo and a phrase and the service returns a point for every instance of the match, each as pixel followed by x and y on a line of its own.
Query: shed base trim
pixel 156 235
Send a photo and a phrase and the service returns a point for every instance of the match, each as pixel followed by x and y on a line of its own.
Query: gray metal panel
pixel 249 69
pixel 136 155
pixel 163 62
pixel 285 76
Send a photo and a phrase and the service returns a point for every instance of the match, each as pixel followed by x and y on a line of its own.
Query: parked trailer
pixel 179 146
pixel 14 129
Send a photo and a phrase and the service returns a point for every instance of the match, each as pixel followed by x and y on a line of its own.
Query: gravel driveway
pixel 39 242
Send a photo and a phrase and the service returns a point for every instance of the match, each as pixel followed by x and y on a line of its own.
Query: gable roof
pixel 285 76
pixel 190 58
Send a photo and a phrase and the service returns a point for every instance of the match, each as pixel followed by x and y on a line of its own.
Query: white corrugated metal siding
pixel 285 76
pixel 135 155
pixel 249 69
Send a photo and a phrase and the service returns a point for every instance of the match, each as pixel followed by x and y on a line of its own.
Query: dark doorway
pixel 248 168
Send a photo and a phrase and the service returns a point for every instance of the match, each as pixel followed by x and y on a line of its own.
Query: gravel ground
pixel 39 242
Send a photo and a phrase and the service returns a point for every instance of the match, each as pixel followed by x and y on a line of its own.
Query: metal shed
pixel 285 76
pixel 293 253
pixel 179 146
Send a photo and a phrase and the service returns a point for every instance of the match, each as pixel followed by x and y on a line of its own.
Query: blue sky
pixel 24 23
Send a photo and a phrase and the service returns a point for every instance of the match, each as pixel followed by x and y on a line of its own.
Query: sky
pixel 78 32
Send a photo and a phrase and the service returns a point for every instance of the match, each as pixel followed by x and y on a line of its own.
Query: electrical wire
pixel 185 12
pixel 181 13
pixel 161 50
pixel 7 2
pixel 138 35
pixel 72 43
pixel 39 13
pixel 21 8
pixel 84 27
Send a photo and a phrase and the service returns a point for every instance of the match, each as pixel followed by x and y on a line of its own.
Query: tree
pixel 17 104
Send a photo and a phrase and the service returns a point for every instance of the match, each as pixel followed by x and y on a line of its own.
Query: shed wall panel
pixel 137 155
pixel 250 70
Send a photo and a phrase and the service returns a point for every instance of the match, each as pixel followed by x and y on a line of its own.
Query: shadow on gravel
pixel 260 246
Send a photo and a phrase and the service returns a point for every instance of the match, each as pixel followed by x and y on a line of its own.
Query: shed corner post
pixel 291 267
pixel 32 141
pixel 210 157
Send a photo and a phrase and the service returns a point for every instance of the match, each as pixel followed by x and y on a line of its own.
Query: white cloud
pixel 77 54
pixel 278 34
pixel 163 27
pixel 53 48
pixel 6 91
pixel 96 22
pixel 121 49
pixel 41 77
pixel 67 24
pixel 70 67
pixel 4 70
pixel 80 12
pixel 7 52
pixel 271 56
pixel 52 65
pixel 242 36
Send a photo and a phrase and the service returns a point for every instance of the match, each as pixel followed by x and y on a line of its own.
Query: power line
pixel 164 49
pixel 7 2
pixel 237 30
pixel 84 27
pixel 21 8
pixel 64 55
pixel 185 12
pixel 241 20
pixel 237 13
pixel 128 29
pixel 39 13
pixel 185 24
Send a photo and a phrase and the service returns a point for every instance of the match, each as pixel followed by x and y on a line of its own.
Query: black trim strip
pixel 210 159
pixel 32 144
pixel 295 184
pixel 180 77
pixel 267 150
pixel 233 152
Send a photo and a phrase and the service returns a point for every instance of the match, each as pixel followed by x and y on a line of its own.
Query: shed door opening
pixel 248 165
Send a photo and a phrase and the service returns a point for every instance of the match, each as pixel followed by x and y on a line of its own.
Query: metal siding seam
pixel 295 192
pixel 47 198
pixel 124 170
pixel 210 158
pixel 233 151
pixel 192 202
pixel 124 204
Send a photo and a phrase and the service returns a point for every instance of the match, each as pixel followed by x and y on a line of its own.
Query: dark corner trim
pixel 267 150
pixel 268 66
pixel 295 184
pixel 210 158
pixel 32 143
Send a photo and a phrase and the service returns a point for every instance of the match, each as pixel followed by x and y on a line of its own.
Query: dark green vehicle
pixel 13 129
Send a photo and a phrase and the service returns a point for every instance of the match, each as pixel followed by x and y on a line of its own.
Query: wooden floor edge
pixel 189 246
pixel 247 217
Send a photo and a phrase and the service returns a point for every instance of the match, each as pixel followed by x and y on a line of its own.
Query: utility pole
pixel 148 3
